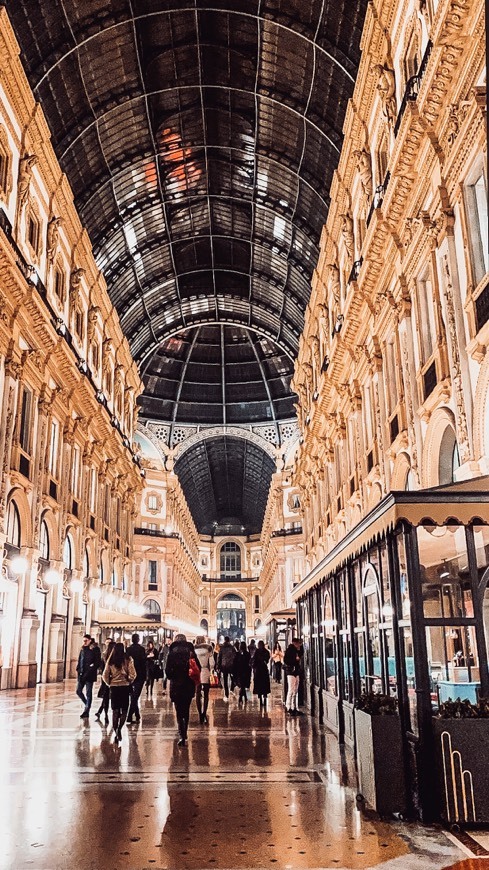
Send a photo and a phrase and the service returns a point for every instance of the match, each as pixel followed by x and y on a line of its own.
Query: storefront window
pixel 481 540
pixel 345 639
pixel 329 634
pixel 444 571
pixel 373 676
pixel 453 663
pixel 405 632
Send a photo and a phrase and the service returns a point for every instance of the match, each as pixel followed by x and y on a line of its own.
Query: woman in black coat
pixel 182 688
pixel 261 675
pixel 242 672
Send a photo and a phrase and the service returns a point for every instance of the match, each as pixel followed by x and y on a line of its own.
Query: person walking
pixel 292 664
pixel 242 673
pixel 86 668
pixel 261 674
pixel 104 691
pixel 137 653
pixel 252 650
pixel 225 664
pixel 119 673
pixel 203 651
pixel 182 687
pixel 151 660
pixel 162 658
pixel 277 658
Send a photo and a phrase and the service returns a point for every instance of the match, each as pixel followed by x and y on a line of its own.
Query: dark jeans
pixel 104 702
pixel 182 708
pixel 136 689
pixel 83 683
pixel 225 678
pixel 202 692
pixel 277 667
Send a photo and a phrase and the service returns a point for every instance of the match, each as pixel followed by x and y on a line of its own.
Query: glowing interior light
pixel 52 577
pixel 19 565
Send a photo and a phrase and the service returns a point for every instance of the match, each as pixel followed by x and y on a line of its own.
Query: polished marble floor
pixel 252 790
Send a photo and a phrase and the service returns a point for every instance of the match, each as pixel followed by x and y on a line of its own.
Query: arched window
pixel 114 578
pixel 449 459
pixel 44 540
pixel 231 617
pixel 204 626
pixel 13 524
pixel 68 553
pixel 230 560
pixel 86 563
pixel 152 610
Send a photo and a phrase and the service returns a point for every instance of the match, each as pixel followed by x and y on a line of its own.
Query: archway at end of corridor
pixel 231 617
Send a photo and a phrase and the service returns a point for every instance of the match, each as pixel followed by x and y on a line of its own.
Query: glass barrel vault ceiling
pixel 214 374
pixel 226 481
pixel 200 141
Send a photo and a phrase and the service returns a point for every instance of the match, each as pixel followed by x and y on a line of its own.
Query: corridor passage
pixel 252 790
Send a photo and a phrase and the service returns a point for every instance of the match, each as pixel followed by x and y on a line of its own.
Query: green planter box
pixel 380 762
pixel 462 767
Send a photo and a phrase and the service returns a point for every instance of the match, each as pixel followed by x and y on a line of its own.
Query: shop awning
pixel 454 504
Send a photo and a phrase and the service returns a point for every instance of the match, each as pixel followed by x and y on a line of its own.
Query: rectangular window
pixel 59 285
pixel 476 200
pixel 257 603
pixel 25 421
pixel 93 490
pixel 33 232
pixel 152 502
pixel 75 471
pixel 390 374
pixel 107 505
pixel 426 318
pixel 53 449
pixel 153 574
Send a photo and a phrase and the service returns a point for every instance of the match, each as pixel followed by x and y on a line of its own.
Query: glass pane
pixel 329 634
pixel 406 634
pixel 453 663
pixel 444 571
pixel 481 539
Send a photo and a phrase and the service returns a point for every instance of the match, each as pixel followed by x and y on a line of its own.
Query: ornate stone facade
pixel 400 401
pixel 68 475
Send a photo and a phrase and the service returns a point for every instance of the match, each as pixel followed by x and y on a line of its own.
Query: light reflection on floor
pixel 252 790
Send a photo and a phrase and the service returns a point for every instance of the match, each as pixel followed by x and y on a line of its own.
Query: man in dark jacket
pixel 182 688
pixel 292 665
pixel 225 664
pixel 87 667
pixel 138 655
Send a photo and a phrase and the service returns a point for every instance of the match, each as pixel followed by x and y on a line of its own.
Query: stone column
pixel 13 371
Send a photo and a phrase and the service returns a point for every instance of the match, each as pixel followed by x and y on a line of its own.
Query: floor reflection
pixel 252 789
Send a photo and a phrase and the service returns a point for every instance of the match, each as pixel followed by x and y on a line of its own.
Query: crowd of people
pixel 191 669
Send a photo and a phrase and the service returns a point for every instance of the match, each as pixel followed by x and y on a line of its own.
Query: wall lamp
pixel 339 323
pixel 60 326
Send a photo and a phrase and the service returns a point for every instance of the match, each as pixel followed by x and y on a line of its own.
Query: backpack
pixel 193 671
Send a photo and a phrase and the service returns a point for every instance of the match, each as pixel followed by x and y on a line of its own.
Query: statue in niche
pixel 333 281
pixel 364 163
pixel 348 235
pixel 386 87
pixel 316 357
pixel 53 237
pixel 93 313
pixel 26 166
pixel 75 285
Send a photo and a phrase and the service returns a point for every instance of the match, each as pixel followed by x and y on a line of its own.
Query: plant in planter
pixel 376 704
pixel 379 753
pixel 461 735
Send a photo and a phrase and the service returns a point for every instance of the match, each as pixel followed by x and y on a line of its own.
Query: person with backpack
pixel 203 651
pixel 225 664
pixel 182 685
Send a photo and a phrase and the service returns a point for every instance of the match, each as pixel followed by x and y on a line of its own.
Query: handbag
pixel 193 671
pixel 102 689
